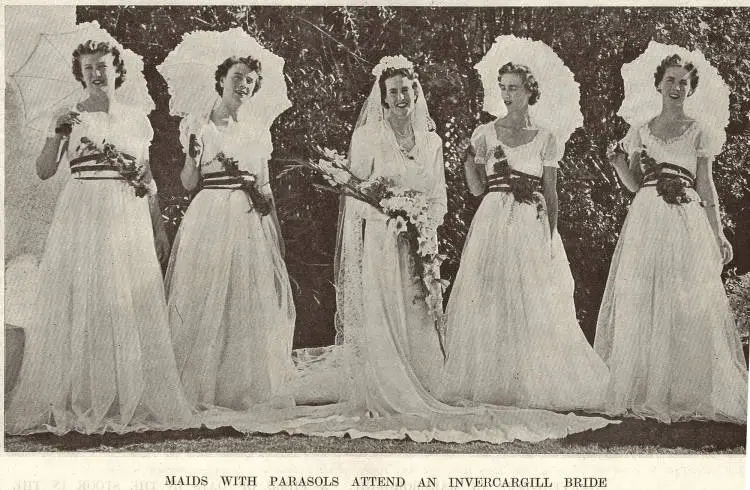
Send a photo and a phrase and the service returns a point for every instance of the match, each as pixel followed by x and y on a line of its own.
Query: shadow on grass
pixel 700 436
pixel 630 436
pixel 74 441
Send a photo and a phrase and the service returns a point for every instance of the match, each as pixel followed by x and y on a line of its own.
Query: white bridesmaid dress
pixel 230 302
pixel 98 355
pixel 665 328
pixel 512 334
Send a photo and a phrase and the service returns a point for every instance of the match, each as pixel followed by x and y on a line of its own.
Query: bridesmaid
pixel 512 334
pixel 98 356
pixel 230 300
pixel 665 328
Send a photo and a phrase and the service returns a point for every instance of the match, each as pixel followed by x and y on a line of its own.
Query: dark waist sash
pixel 503 183
pixel 89 168
pixel 222 180
pixel 667 171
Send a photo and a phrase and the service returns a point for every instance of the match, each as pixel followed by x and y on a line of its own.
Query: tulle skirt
pixel 385 393
pixel 98 355
pixel 512 337
pixel 665 328
pixel 231 311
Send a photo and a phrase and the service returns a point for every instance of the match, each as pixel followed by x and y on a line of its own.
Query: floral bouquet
pixel 408 214
pixel 334 168
pixel 670 187
pixel 249 183
pixel 127 166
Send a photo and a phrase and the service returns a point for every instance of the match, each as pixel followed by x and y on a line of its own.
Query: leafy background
pixel 329 53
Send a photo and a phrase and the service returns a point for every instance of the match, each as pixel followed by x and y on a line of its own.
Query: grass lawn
pixel 630 437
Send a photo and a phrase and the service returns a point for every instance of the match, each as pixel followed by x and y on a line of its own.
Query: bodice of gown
pixel 529 158
pixel 683 150
pixel 375 153
pixel 127 129
pixel 251 147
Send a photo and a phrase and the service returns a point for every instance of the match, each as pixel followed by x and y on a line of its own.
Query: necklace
pixel 404 139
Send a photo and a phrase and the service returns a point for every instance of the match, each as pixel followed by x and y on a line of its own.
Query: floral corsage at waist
pixel 524 187
pixel 131 170
pixel 670 181
pixel 248 183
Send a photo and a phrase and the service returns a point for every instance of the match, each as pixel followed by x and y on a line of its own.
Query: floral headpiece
pixel 395 62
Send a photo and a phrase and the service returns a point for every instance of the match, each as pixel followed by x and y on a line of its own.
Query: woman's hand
pixel 616 154
pixel 161 242
pixel 56 143
pixel 65 122
pixel 727 254
pixel 194 148
pixel 162 245
pixel 190 174
pixel 618 159
pixel 463 147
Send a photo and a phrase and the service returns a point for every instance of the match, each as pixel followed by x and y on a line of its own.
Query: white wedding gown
pixel 390 356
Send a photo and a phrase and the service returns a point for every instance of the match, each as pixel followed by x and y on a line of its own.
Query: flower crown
pixel 395 62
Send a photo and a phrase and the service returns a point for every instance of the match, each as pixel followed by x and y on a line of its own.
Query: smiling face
pixel 675 85
pixel 238 84
pixel 99 73
pixel 513 92
pixel 399 96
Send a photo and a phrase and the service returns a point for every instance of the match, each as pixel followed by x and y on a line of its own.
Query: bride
pixel 390 346
pixel 393 139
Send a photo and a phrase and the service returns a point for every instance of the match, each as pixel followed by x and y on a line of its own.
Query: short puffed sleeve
pixel 632 142
pixel 148 137
pixel 191 124
pixel 262 138
pixel 479 144
pixel 135 123
pixel 708 142
pixel 550 153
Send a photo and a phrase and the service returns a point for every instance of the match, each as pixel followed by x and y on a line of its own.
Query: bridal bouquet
pixel 409 215
pixel 334 168
pixel 127 166
pixel 408 212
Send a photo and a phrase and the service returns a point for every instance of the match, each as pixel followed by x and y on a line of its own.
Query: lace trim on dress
pixel 505 145
pixel 691 127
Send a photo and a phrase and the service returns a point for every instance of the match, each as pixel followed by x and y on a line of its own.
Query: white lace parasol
pixel 709 104
pixel 46 83
pixel 190 73
pixel 558 108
